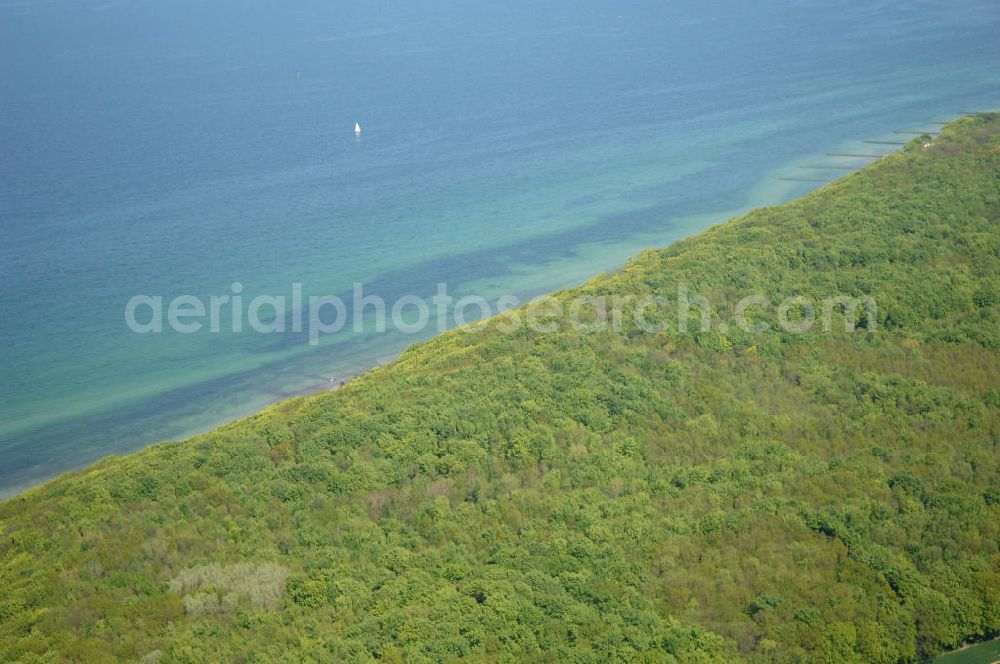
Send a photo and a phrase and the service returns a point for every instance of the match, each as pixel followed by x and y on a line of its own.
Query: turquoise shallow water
pixel 178 147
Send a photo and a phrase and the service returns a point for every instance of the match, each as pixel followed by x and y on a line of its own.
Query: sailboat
pixel 357 128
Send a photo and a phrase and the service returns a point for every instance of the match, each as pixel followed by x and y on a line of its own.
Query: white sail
pixel 357 127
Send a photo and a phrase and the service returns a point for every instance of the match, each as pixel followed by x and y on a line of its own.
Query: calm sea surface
pixel 169 148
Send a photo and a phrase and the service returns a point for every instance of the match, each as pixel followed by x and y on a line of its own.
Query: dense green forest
pixel 592 496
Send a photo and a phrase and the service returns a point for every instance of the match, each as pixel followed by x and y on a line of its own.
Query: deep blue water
pixel 176 147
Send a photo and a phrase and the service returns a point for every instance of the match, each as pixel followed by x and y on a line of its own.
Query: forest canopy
pixel 511 495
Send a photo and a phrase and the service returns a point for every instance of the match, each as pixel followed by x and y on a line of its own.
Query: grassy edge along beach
pixel 711 488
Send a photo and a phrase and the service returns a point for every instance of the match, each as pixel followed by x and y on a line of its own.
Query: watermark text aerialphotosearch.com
pixel 318 316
